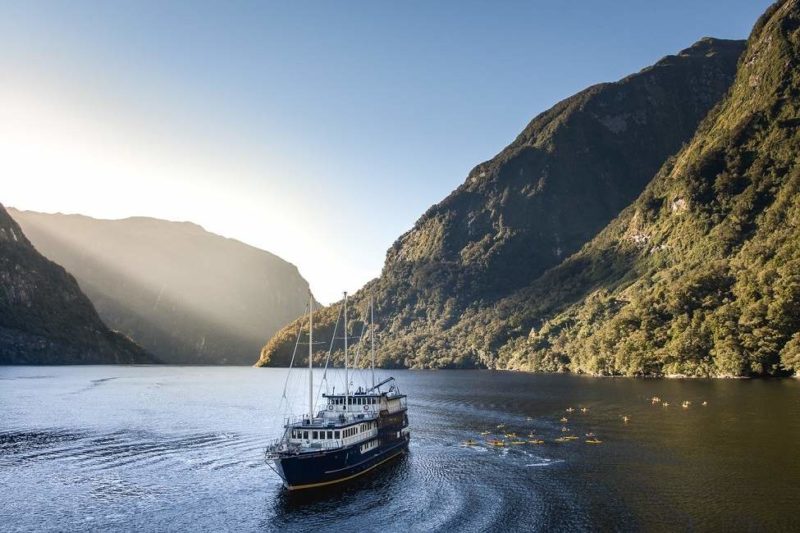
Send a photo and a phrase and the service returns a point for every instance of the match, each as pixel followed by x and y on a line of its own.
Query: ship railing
pixel 298 447
pixel 274 447
pixel 303 420
pixel 330 418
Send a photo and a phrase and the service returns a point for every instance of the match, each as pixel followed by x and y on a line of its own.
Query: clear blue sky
pixel 317 130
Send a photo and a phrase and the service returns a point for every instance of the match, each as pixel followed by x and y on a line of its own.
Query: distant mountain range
pixel 184 294
pixel 614 236
pixel 44 316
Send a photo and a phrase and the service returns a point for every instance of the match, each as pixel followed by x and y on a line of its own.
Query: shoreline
pixel 576 374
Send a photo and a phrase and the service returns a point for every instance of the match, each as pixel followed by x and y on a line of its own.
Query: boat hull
pixel 312 470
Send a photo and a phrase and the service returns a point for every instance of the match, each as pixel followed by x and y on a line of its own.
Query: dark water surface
pixel 167 448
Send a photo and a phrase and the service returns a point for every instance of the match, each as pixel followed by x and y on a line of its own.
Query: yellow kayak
pixel 484 433
pixel 517 442
pixel 511 435
pixel 561 439
pixel 571 437
pixel 593 441
pixel 536 441
pixel 497 443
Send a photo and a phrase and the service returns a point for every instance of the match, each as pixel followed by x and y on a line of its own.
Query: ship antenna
pixel 372 334
pixel 310 353
pixel 346 379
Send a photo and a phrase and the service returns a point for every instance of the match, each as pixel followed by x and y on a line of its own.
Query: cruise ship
pixel 350 434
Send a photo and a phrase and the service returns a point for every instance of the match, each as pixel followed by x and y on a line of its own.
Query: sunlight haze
pixel 315 132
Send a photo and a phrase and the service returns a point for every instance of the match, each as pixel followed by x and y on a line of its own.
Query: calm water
pixel 165 448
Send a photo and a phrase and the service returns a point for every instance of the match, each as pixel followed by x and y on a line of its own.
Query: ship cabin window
pixel 330 434
pixel 337 434
pixel 305 434
pixel 313 434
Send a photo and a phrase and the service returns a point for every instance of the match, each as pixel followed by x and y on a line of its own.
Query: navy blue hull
pixel 310 470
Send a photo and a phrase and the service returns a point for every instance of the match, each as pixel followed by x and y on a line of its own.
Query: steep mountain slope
pixel 185 294
pixel 701 275
pixel 566 176
pixel 44 316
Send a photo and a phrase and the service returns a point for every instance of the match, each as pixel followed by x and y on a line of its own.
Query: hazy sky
pixel 317 130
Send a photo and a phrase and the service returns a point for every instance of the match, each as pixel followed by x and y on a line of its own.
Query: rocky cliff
pixel 570 172
pixel 44 316
pixel 699 276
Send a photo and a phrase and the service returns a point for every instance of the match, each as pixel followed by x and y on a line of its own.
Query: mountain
pixel 44 316
pixel 700 276
pixel 186 295
pixel 567 175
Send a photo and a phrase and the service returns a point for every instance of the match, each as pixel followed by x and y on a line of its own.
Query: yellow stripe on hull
pixel 324 483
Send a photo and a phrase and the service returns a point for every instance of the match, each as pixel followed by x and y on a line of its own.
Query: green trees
pixel 711 249
pixel 699 276
pixel 790 354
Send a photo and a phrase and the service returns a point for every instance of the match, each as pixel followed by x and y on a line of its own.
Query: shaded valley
pixel 44 316
pixel 186 295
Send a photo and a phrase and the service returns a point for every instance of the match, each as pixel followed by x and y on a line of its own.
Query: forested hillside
pixel 570 172
pixel 701 274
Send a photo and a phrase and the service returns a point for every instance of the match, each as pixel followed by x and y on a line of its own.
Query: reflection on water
pixel 154 448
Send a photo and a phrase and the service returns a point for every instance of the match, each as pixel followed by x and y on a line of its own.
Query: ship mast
pixel 346 379
pixel 310 353
pixel 372 335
